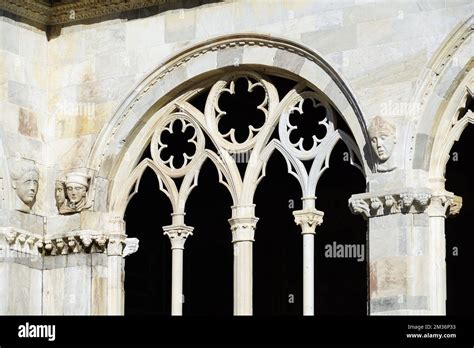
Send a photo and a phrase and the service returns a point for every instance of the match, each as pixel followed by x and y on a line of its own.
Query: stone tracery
pixel 260 144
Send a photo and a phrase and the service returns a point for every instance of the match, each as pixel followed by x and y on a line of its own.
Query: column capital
pixel 444 205
pixel 178 235
pixel 243 228
pixel 308 219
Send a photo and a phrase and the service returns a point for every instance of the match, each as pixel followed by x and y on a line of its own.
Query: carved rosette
pixel 308 220
pixel 405 202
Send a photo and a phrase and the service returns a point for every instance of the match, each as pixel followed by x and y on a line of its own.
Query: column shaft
pixel 177 282
pixel 177 235
pixel 308 274
pixel 243 283
pixel 308 219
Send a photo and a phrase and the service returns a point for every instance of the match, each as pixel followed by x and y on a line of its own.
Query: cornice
pixel 60 14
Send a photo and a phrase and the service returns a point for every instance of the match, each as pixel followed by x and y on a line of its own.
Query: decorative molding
pixel 32 10
pixel 66 13
pixel 406 202
pixel 85 241
pixel 20 240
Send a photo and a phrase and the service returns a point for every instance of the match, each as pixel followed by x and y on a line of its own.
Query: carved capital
pixel 308 220
pixel 115 246
pixel 243 228
pixel 444 205
pixel 178 235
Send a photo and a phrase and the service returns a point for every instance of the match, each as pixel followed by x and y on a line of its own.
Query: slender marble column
pixel 177 235
pixel 115 267
pixel 308 219
pixel 243 223
pixel 439 208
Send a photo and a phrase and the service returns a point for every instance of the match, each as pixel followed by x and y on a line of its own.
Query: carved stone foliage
pixel 71 193
pixel 211 133
pixel 74 244
pixel 21 240
pixel 86 241
pixel 372 205
pixel 25 180
pixel 382 140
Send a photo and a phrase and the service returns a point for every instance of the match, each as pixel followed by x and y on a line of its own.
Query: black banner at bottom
pixel 206 330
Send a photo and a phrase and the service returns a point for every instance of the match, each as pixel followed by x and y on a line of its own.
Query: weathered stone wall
pixel 23 132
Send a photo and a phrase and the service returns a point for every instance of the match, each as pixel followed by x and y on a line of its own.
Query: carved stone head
pixel 382 137
pixel 25 177
pixel 59 193
pixel 77 185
